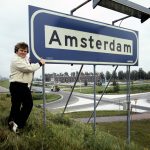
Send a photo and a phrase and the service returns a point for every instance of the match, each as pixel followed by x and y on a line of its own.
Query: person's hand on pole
pixel 42 61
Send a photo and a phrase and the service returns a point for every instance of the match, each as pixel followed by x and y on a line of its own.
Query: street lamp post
pixel 128 89
pixel 126 7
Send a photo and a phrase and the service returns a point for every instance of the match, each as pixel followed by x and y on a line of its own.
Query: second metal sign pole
pixel 128 105
pixel 44 100
pixel 94 125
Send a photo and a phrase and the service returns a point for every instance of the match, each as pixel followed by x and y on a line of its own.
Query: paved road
pixel 58 106
pixel 3 90
pixel 105 101
pixel 117 118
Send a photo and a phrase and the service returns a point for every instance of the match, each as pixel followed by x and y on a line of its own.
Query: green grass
pixel 86 114
pixel 66 134
pixel 4 83
pixel 60 133
pixel 140 132
pixel 38 98
pixel 123 89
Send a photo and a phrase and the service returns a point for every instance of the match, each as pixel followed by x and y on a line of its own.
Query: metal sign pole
pixel 73 10
pixel 103 93
pixel 44 100
pixel 128 88
pixel 128 104
pixel 94 126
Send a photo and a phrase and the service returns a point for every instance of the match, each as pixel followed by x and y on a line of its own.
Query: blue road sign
pixel 62 38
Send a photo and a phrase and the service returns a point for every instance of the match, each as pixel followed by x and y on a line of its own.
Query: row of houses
pixel 57 78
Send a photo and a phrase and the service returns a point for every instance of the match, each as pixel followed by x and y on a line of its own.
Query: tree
pixel 121 75
pixel 81 74
pixel 116 87
pixel 134 75
pixel 85 82
pixel 73 74
pixel 66 74
pixel 77 73
pixel 108 75
pixel 86 73
pixel 141 74
pixel 148 75
pixel 115 75
pixel 102 77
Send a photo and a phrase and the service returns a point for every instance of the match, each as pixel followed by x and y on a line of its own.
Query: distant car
pixel 36 91
pixel 55 88
pixel 39 91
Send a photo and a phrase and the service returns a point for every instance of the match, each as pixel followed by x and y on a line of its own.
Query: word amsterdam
pixel 62 38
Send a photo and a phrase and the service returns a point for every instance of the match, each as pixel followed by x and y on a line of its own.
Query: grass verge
pixel 140 132
pixel 38 98
pixel 86 114
pixel 60 133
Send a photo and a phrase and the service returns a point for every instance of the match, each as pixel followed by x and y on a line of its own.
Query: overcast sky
pixel 14 28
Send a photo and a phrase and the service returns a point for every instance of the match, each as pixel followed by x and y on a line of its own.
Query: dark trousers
pixel 22 103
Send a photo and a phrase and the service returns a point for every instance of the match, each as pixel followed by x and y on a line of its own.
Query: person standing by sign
pixel 21 74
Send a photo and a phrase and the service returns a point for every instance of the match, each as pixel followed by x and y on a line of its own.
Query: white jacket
pixel 21 70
